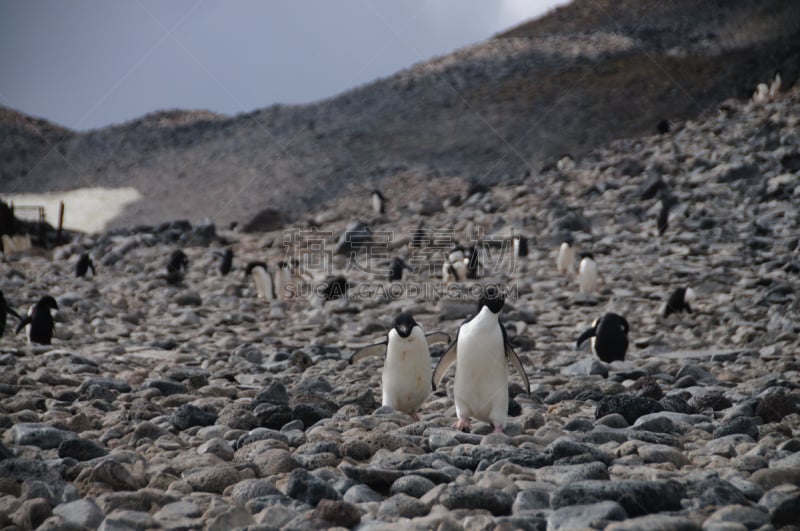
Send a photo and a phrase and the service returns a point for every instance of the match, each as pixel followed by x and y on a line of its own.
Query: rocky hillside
pixel 201 406
pixel 579 77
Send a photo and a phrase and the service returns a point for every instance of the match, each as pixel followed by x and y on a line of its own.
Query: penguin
pixel 775 86
pixel 679 301
pixel 520 247
pixel 84 264
pixel 472 263
pixel 565 262
pixel 336 288
pixel 587 274
pixel 407 375
pixel 282 279
pixel 420 236
pixel 481 352
pixel 609 337
pixel 667 202
pixel 262 279
pixel 177 266
pixel 663 127
pixel 454 271
pixel 378 202
pixel 396 269
pixel 226 264
pixel 5 309
pixel 39 322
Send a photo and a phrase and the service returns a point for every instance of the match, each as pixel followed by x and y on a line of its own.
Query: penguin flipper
pixel 585 335
pixel 510 354
pixel 447 359
pixel 376 349
pixel 22 323
pixel 437 337
pixel 10 310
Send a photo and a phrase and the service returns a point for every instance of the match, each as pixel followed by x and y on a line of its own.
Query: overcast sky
pixel 89 63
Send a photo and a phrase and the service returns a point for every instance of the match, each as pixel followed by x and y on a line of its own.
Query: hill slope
pixel 570 81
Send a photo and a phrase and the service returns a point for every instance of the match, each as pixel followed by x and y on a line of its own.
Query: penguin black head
pixel 253 265
pixel 404 323
pixel 177 261
pixel 588 255
pixel 336 288
pixel 679 301
pixel 83 265
pixel 227 261
pixel 396 268
pixel 522 246
pixel 493 299
pixel 473 263
pixel 378 194
pixel 47 302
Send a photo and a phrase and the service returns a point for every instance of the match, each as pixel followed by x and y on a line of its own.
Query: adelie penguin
pixel 177 266
pixel 609 336
pixel 396 267
pixel 481 352
pixel 39 321
pixel 226 264
pixel 587 273
pixel 83 265
pixel 262 280
pixel 520 247
pixel 406 380
pixel 378 202
pixel 565 261
pixel 5 309
pixel 679 301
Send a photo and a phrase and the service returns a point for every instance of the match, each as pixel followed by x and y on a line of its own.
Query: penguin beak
pixel 584 336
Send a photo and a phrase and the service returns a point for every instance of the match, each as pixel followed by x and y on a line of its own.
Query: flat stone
pixel 661 522
pixel 83 513
pixel 592 515
pixel 41 435
pixel 636 496
pixel 495 501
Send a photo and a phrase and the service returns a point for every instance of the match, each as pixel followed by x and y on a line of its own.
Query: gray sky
pixel 89 63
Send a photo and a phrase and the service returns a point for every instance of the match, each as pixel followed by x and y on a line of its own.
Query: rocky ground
pixel 201 406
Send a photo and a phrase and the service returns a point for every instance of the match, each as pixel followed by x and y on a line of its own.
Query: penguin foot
pixel 462 425
pixel 499 429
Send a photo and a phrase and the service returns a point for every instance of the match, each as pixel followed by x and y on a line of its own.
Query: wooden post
pixel 60 222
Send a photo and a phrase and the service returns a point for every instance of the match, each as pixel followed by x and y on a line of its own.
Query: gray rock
pixel 116 475
pixel 123 520
pixel 586 516
pixel 661 522
pixel 745 425
pixel 308 488
pixel 660 453
pixel 562 474
pixel 165 387
pixel 531 500
pixel 564 448
pixel 783 505
pixel 247 489
pixel 403 505
pixel 233 518
pixel 586 367
pixel 41 435
pixel 495 501
pixel 361 494
pixel 178 511
pixel 629 406
pixel 212 478
pixel 750 517
pixel 636 496
pixel 31 513
pixel 188 416
pixel 217 446
pixel 188 298
pixel 716 492
pixel 337 513
pixel 413 485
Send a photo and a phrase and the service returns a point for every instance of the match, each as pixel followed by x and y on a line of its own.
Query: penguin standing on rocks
pixel 84 264
pixel 407 367
pixel 262 279
pixel 481 352
pixel 609 336
pixel 587 273
pixel 679 301
pixel 396 269
pixel 336 288
pixel 520 247
pixel 378 203
pixel 177 266
pixel 39 322
pixel 565 261
pixel 5 309
pixel 226 264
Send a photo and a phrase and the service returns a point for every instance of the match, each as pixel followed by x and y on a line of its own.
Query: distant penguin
pixel 262 279
pixel 336 288
pixel 664 127
pixel 226 264
pixel 5 309
pixel 282 279
pixel 396 269
pixel 177 266
pixel 587 274
pixel 472 262
pixel 39 322
pixel 667 202
pixel 679 301
pixel 609 337
pixel 454 271
pixel 565 262
pixel 481 352
pixel 378 202
pixel 520 247
pixel 775 86
pixel 420 236
pixel 83 265
pixel 407 367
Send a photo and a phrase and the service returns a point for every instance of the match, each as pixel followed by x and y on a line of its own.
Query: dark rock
pixel 275 393
pixel 495 501
pixel 81 449
pixel 745 425
pixel 337 513
pixel 783 504
pixel 677 405
pixel 32 513
pixel 41 435
pixel 412 484
pixel 716 492
pixel 108 383
pixel 564 447
pixel 381 479
pixel 712 400
pixel 166 387
pixel 260 434
pixel 775 406
pixel 189 415
pixel 308 488
pixel 356 449
pixel 749 517
pixel 647 387
pixel 310 408
pixel 637 497
pixel 248 489
pixel 266 220
pixel 188 298
pixel 531 500
pixel 273 416
pixel 630 407
pixel 147 430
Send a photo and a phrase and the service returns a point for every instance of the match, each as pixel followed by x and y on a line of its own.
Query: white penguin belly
pixel 406 372
pixel 481 383
pixel 587 276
